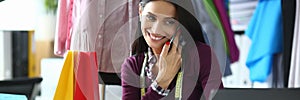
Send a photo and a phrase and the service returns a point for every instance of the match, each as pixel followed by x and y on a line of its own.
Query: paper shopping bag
pixel 86 76
pixel 83 77
pixel 65 87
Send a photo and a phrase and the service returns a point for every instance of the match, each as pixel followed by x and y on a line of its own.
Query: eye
pixel 170 22
pixel 151 18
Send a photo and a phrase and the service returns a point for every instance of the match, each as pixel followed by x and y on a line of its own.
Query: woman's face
pixel 158 23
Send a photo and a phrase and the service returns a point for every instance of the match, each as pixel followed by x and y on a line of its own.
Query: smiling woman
pixel 170 59
pixel 158 25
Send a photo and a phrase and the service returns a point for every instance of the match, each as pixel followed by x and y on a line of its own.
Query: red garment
pixel 61 28
pixel 103 26
pixel 106 27
pixel 70 25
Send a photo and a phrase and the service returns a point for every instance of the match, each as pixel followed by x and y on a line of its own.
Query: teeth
pixel 155 38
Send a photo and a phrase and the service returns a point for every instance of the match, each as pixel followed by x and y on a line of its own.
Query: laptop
pixel 256 94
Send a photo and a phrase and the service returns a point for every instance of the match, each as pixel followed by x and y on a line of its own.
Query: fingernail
pixel 168 42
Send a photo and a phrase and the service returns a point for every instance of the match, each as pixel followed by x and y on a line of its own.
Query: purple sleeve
pixel 210 73
pixel 151 95
pixel 130 82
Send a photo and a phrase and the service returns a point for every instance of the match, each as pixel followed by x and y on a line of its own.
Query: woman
pixel 170 59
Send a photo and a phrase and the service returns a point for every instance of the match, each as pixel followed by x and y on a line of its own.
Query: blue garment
pixel 265 32
pixel 226 2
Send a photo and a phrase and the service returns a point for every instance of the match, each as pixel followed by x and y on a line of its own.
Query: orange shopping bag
pixel 64 89
pixel 79 77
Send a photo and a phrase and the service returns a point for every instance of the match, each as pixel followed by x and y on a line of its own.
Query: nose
pixel 157 28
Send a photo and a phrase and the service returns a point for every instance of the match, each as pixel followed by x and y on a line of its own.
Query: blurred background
pixel 27 34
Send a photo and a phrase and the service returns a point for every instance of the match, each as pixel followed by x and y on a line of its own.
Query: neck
pixel 156 52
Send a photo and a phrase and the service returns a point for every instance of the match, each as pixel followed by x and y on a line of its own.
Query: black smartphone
pixel 181 41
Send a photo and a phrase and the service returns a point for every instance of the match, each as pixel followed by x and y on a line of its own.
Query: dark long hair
pixel 189 27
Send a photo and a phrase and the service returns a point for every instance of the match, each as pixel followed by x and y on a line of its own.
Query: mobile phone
pixel 174 35
pixel 181 41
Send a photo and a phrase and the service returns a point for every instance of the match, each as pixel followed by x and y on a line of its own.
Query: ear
pixel 140 11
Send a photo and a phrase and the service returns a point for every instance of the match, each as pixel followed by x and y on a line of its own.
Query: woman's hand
pixel 169 63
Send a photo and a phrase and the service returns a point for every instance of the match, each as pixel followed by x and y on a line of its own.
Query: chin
pixel 155 46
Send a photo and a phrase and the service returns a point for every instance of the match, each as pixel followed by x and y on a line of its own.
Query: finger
pixel 165 49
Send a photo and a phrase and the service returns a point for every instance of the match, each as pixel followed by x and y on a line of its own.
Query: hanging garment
pixel 106 27
pixel 215 38
pixel 277 71
pixel 213 13
pixel 223 15
pixel 79 77
pixel 294 79
pixel 70 24
pixel 288 17
pixel 265 32
pixel 241 13
pixel 61 28
pixel 211 10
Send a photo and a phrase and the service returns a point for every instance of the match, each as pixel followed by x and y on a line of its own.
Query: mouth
pixel 155 37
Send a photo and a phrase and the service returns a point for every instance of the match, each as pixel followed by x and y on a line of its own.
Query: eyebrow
pixel 152 14
pixel 165 18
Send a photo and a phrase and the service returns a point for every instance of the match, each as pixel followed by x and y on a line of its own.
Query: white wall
pixel 5 55
pixel 20 14
pixel 16 15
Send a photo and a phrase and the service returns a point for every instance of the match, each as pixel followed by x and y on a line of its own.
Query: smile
pixel 155 37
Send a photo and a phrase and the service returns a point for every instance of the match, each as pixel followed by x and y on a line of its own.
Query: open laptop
pixel 256 94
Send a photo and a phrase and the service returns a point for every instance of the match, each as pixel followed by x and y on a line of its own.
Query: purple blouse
pixel 201 75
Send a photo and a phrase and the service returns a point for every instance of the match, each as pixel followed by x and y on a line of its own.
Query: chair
pixel 25 86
